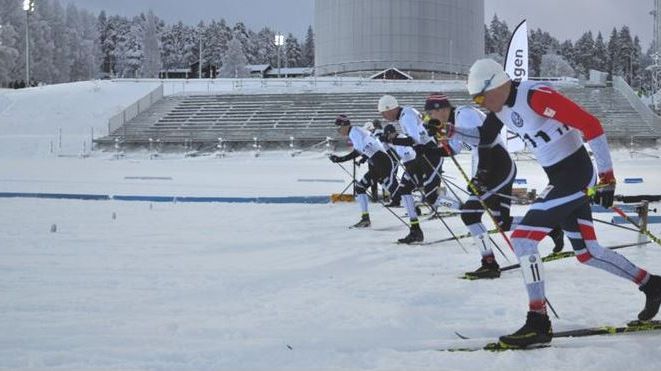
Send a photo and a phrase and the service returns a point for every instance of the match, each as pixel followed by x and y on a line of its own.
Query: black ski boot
pixel 652 290
pixel 364 222
pixel 415 235
pixel 536 331
pixel 558 237
pixel 489 269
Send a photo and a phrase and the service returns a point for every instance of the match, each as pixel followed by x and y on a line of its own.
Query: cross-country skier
pixel 382 168
pixel 554 127
pixel 428 155
pixel 377 132
pixel 493 178
pixel 412 175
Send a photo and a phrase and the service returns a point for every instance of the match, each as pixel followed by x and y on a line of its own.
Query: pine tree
pixel 178 43
pixel 216 38
pixel 61 63
pixel 74 42
pixel 234 61
pixel 152 55
pixel 500 35
pixel 90 50
pixel 613 46
pixel 8 53
pixel 584 54
pixel 42 45
pixel 567 52
pixel 124 45
pixel 133 47
pixel 293 53
pixel 266 49
pixel 600 56
pixel 625 54
pixel 241 33
pixel 554 65
pixel 647 78
pixel 307 59
pixel 107 38
pixel 636 62
pixel 536 50
pixel 488 41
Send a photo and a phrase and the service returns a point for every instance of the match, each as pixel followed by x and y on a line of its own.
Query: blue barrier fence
pixel 256 200
pixel 650 219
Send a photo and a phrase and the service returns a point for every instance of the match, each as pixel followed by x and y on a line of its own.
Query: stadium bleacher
pixel 274 118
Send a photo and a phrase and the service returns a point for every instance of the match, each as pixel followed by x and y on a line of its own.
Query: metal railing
pixel 135 109
pixel 326 84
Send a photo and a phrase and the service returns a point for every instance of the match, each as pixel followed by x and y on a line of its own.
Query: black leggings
pixel 501 178
pixel 381 172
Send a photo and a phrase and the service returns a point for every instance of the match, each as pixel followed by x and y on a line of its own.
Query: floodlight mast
pixel 28 6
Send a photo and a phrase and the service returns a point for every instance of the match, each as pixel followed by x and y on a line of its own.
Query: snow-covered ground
pixel 139 285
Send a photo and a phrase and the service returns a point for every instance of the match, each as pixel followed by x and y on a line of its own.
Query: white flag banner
pixel 516 60
pixel 516 66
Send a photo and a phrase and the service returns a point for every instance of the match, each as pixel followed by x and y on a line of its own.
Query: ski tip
pixel 461 336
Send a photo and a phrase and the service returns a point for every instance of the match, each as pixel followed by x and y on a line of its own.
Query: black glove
pixel 478 185
pixel 432 127
pixel 604 192
pixel 334 158
pixel 362 160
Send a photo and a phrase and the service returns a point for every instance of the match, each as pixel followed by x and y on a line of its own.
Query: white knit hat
pixel 485 75
pixel 387 102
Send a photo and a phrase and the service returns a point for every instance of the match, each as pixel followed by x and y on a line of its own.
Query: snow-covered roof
pixel 177 70
pixel 291 71
pixel 395 69
pixel 258 67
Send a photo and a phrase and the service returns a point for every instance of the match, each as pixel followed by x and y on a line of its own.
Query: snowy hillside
pixel 30 119
pixel 139 285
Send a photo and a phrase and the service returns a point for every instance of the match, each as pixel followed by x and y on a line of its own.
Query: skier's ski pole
pixel 482 203
pixel 645 231
pixel 457 197
pixel 493 219
pixel 399 163
pixel 616 225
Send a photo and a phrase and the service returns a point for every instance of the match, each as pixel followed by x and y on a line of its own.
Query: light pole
pixel 655 78
pixel 28 6
pixel 279 42
pixel 200 59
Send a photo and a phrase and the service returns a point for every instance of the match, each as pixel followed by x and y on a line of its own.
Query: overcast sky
pixel 564 19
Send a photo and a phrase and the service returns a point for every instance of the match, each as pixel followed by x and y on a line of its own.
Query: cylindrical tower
pixel 416 36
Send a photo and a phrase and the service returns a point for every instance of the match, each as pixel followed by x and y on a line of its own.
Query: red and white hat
pixel 437 101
